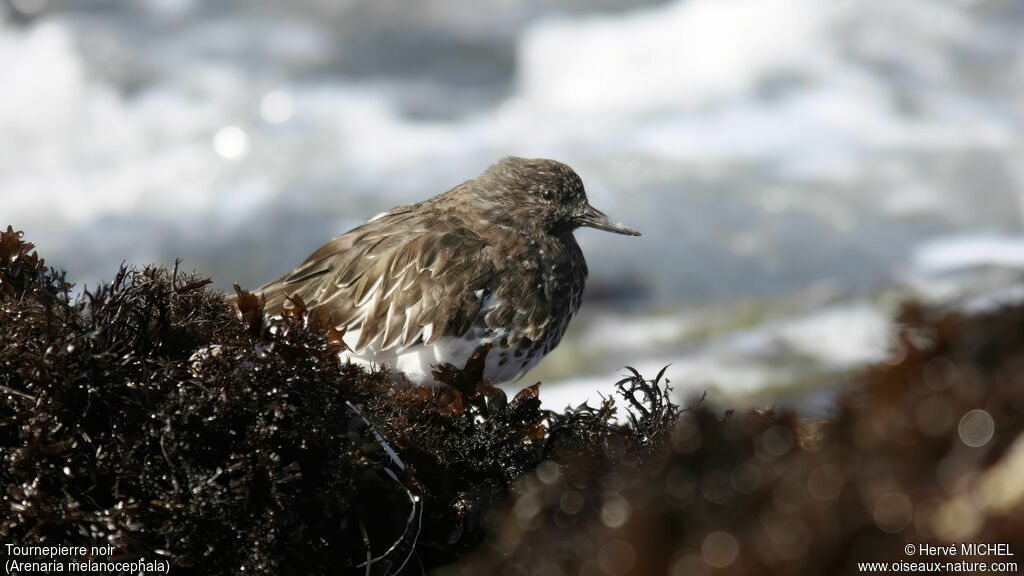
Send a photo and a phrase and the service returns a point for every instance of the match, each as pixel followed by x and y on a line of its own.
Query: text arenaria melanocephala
pixel 493 260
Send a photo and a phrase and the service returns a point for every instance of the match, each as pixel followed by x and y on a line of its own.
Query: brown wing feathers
pixel 388 286
pixel 435 272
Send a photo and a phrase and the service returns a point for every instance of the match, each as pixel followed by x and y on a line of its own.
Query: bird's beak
pixel 594 218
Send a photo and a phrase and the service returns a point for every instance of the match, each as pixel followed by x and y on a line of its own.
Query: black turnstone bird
pixel 492 260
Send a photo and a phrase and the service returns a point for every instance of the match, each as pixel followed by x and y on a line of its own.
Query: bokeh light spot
pixel 690 565
pixel 526 508
pixel 231 143
pixel 893 512
pixel 717 486
pixel 825 482
pixel 548 472
pixel 277 107
pixel 746 478
pixel 720 549
pixel 777 440
pixel 571 502
pixel 615 511
pixel 977 428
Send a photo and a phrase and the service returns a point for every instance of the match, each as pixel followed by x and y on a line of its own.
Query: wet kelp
pixel 925 449
pixel 148 414
pixel 147 417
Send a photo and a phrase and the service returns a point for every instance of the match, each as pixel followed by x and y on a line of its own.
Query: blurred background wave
pixel 798 167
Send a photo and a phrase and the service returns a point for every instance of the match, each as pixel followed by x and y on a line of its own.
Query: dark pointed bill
pixel 594 218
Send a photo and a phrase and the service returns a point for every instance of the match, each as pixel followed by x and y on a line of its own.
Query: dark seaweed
pixel 154 415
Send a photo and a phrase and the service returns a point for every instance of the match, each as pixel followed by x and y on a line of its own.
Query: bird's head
pixel 546 194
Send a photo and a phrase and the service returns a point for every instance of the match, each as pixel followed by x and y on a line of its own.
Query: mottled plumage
pixel 491 260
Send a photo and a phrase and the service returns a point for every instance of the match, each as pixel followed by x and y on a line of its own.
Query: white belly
pixel 418 361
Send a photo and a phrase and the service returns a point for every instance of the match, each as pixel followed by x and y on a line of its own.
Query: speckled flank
pixel 504 363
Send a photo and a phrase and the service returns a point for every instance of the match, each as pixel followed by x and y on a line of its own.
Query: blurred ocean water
pixel 797 167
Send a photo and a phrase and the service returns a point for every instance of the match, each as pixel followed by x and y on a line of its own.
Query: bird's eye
pixel 547 194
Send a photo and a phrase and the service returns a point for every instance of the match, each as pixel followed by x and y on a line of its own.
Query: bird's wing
pixel 398 279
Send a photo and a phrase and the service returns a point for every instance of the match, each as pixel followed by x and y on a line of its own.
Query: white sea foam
pixel 743 362
pixel 958 253
pixel 693 81
pixel 684 54
pixel 841 336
